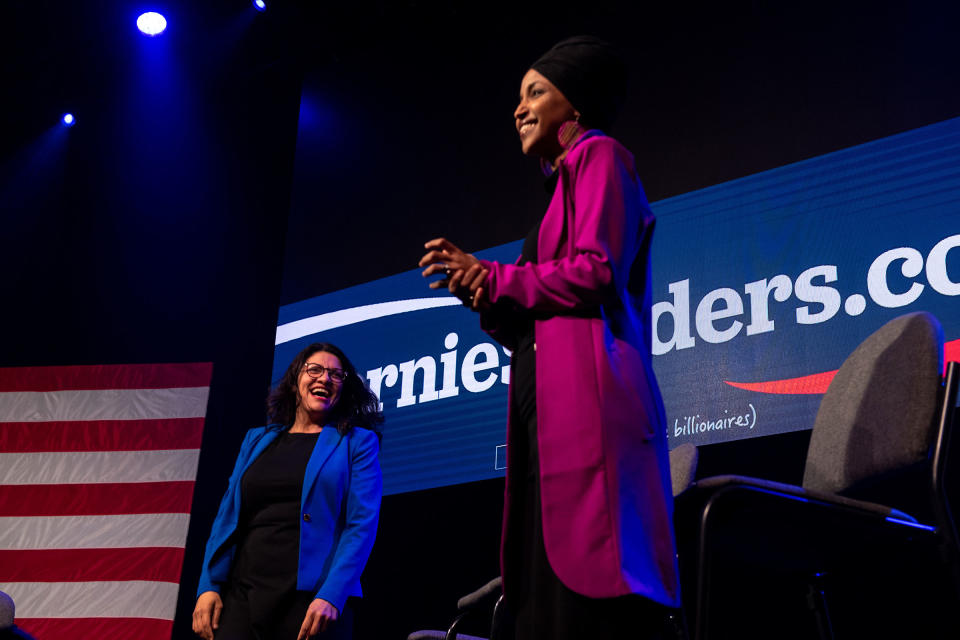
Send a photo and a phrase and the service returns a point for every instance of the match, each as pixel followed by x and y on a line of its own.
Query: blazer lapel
pixel 326 444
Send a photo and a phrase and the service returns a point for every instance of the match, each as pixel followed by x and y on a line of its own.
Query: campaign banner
pixel 762 286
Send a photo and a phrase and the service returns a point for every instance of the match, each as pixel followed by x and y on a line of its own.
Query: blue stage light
pixel 260 5
pixel 151 23
pixel 68 119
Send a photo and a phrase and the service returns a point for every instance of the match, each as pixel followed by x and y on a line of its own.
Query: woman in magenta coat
pixel 587 548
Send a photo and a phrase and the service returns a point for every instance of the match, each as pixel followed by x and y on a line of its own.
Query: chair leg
pixel 452 631
pixel 817 603
pixel 499 623
pixel 701 603
pixel 676 625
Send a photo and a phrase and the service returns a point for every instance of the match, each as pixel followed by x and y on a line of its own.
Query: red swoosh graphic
pixel 818 382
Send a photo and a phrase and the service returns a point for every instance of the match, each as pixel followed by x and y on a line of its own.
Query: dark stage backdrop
pixel 803 164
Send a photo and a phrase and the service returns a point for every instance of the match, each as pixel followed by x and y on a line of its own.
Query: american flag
pixel 97 468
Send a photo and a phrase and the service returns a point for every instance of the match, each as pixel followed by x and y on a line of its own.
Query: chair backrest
pixel 683 467
pixel 879 412
pixel 6 611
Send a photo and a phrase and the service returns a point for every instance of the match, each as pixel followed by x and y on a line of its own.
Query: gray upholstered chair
pixel 8 630
pixel 885 418
pixel 479 600
pixel 683 467
pixel 7 610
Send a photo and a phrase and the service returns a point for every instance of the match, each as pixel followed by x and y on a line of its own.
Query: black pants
pixel 235 623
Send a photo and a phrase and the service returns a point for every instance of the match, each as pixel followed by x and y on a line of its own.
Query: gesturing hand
pixel 464 275
pixel 320 615
pixel 206 615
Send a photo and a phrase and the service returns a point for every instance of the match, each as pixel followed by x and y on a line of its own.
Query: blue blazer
pixel 339 506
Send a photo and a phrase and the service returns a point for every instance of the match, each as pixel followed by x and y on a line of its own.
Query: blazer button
pixel 534 346
pixel 306 517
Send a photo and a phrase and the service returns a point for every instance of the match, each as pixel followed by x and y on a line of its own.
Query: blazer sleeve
pixel 609 204
pixel 362 512
pixel 216 569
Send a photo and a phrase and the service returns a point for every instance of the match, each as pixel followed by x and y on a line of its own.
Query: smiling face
pixel 542 109
pixel 318 396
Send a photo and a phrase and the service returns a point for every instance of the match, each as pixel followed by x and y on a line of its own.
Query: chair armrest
pixel 717 483
pixel 489 591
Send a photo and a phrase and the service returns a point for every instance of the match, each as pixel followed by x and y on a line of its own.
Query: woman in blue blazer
pixel 298 520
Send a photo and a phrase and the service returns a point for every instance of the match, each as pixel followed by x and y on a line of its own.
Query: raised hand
pixel 464 275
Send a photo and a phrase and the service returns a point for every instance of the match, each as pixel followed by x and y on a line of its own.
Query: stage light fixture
pixel 68 119
pixel 260 5
pixel 151 23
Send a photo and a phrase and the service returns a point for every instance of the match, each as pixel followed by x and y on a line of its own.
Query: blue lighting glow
pixel 68 119
pixel 151 23
pixel 260 5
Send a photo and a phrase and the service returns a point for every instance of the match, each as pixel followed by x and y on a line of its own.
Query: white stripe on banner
pixel 123 599
pixel 94 467
pixel 343 317
pixel 106 404
pixel 94 532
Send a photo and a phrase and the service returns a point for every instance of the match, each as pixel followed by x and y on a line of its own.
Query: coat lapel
pixel 553 230
pixel 326 444
pixel 552 227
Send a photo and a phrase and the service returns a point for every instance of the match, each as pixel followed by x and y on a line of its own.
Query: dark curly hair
pixel 356 407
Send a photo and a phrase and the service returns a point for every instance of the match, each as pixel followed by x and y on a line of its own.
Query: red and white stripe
pixel 97 468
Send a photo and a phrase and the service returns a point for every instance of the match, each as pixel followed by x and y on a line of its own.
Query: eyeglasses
pixel 316 370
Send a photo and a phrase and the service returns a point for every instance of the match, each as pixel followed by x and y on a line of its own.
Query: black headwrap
pixel 591 74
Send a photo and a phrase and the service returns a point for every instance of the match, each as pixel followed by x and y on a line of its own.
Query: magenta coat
pixel 604 473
